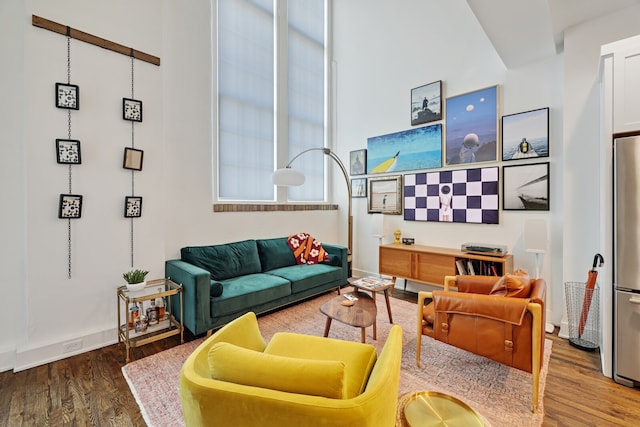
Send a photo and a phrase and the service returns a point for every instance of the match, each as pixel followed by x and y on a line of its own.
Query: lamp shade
pixel 287 177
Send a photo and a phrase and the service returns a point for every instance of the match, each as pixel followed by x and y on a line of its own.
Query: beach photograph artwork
pixel 413 149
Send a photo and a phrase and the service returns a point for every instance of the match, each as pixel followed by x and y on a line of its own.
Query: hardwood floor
pixel 89 389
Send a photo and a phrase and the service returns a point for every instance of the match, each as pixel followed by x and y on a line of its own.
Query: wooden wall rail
pixel 40 22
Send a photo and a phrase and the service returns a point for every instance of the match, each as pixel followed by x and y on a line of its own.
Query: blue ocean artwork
pixel 413 149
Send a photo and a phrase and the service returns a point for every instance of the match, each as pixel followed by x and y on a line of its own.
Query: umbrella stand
pixel 586 305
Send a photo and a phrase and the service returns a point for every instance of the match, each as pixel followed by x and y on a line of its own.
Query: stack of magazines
pixel 371 283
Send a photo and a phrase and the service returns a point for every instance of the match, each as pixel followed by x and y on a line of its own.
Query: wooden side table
pixel 361 314
pixel 373 285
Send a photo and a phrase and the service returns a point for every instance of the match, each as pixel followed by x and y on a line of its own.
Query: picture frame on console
pixel 525 187
pixel 385 195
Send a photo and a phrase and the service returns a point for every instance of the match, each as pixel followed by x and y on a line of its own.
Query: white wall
pixel 586 226
pixel 380 59
pixel 47 308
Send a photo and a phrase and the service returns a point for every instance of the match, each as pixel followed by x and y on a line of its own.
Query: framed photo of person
pixel 358 162
pixel 385 195
pixel 426 103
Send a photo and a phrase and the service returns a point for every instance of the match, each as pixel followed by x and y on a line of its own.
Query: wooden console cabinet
pixel 430 264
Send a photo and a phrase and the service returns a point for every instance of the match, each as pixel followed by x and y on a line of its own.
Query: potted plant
pixel 135 279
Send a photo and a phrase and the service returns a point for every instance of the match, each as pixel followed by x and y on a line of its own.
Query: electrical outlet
pixel 70 346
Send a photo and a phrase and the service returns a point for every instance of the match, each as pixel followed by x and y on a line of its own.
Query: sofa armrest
pixel 342 253
pixel 196 285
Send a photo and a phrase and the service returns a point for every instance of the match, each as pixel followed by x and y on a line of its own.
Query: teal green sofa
pixel 222 282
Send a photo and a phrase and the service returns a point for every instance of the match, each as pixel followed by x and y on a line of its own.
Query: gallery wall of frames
pixel 459 161
pixel 68 151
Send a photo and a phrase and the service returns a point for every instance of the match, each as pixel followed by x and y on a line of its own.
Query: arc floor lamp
pixel 290 177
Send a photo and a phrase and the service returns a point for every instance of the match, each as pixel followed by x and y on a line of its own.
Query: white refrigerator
pixel 626 280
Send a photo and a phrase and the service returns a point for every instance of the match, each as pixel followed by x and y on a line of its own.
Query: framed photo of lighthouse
pixel 525 135
pixel 525 187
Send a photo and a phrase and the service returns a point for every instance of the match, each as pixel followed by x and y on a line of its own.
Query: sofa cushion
pixel 358 358
pixel 245 292
pixel 238 365
pixel 275 253
pixel 306 276
pixel 215 289
pixel 226 260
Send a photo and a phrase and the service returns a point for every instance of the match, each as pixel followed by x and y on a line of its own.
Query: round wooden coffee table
pixel 361 314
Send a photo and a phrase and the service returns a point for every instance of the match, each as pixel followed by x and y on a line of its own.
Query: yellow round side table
pixel 432 408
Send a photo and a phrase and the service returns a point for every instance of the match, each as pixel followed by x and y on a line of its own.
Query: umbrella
pixel 588 292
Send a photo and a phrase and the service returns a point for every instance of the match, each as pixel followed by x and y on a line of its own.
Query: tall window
pixel 271 95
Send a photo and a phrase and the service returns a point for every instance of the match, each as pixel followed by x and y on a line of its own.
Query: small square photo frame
pixel 132 109
pixel 426 103
pixel 385 195
pixel 67 96
pixel 132 207
pixel 359 187
pixel 70 206
pixel 68 151
pixel 132 159
pixel 358 162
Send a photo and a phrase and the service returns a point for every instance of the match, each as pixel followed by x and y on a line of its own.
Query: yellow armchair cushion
pixel 358 358
pixel 228 362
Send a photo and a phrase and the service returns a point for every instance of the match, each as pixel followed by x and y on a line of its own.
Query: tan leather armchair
pixel 506 329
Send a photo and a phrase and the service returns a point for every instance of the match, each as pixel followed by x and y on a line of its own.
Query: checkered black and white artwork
pixel 465 195
pixel 68 151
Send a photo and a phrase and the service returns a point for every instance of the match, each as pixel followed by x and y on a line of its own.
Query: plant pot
pixel 133 287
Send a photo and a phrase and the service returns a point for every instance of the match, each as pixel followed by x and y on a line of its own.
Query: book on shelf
pixel 371 283
pixel 461 269
pixel 470 267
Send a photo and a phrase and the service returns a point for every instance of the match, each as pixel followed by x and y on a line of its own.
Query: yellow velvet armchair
pixel 498 318
pixel 234 378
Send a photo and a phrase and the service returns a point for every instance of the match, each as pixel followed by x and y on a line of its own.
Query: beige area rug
pixel 501 395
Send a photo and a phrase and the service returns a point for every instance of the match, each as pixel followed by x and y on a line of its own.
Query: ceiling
pixel 524 31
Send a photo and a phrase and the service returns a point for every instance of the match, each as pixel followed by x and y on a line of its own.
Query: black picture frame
pixel 358 162
pixel 426 103
pixel 525 135
pixel 70 206
pixel 67 96
pixel 132 159
pixel 132 109
pixel 359 187
pixel 68 152
pixel 525 187
pixel 132 207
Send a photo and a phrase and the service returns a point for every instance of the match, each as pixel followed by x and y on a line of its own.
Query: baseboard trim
pixel 32 357
pixel 7 359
